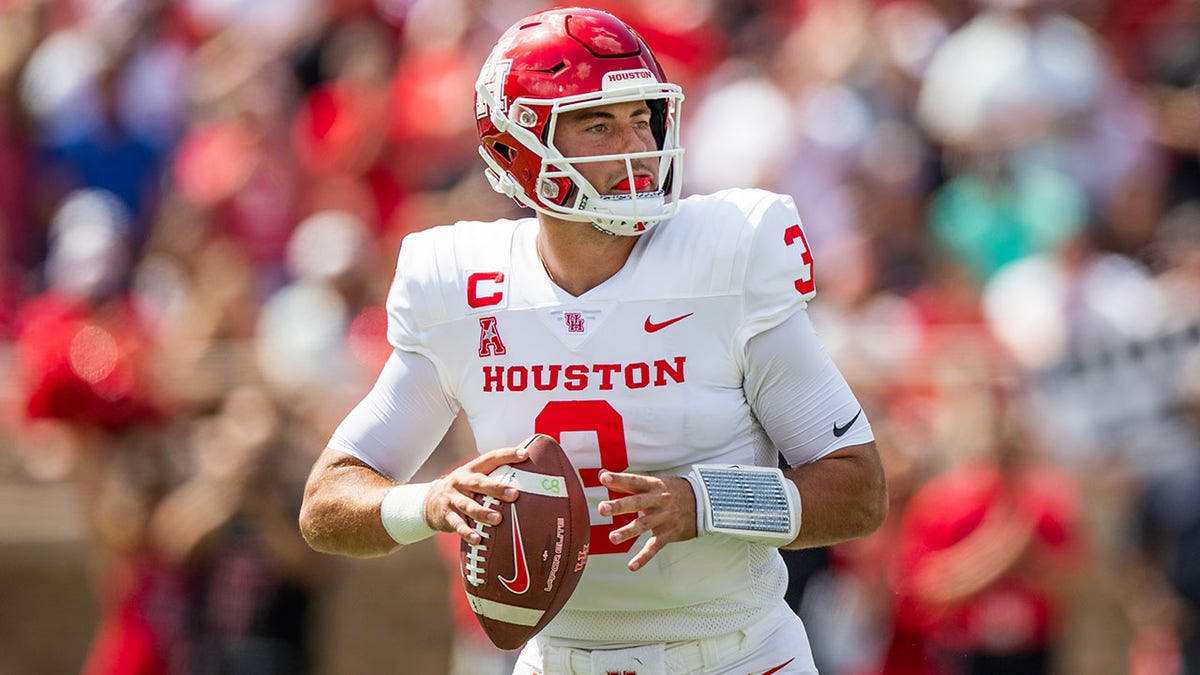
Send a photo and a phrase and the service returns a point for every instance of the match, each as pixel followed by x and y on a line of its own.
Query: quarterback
pixel 662 340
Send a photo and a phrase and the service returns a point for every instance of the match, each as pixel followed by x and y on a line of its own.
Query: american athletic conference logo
pixel 490 343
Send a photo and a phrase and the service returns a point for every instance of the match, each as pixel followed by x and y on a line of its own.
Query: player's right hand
pixel 451 502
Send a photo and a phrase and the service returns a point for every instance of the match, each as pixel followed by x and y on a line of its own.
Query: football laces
pixel 473 570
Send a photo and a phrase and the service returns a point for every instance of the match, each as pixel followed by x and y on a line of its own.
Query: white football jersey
pixel 643 373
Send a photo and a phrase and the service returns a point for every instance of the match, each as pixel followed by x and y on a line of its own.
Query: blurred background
pixel 201 203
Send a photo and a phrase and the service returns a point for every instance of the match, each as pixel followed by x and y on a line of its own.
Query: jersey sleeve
pixel 399 423
pixel 798 394
pixel 778 268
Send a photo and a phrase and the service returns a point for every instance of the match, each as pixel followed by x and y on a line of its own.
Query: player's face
pixel 610 129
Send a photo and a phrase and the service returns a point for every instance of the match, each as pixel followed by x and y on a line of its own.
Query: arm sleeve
pixel 400 422
pixel 799 395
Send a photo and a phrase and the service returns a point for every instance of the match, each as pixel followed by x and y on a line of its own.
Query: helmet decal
pixel 621 78
pixel 492 77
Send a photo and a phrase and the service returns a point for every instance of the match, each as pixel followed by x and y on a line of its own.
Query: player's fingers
pixel 629 483
pixel 447 504
pixel 469 481
pixel 659 523
pixel 631 531
pixel 477 480
pixel 463 529
pixel 490 461
pixel 476 511
pixel 631 504
pixel 652 547
pixel 667 526
pixel 660 494
pixel 489 487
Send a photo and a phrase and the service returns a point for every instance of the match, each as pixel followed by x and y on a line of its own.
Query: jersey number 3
pixel 606 422
pixel 795 235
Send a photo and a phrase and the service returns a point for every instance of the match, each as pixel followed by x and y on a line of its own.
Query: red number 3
pixel 805 284
pixel 602 418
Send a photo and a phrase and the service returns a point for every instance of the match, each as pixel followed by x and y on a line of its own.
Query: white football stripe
pixel 533 483
pixel 521 616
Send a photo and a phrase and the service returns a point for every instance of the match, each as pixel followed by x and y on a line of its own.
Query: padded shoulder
pixel 744 241
pixel 778 279
pixel 436 270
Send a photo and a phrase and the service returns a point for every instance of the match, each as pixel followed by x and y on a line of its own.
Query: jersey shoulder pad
pixel 702 249
pixel 440 271
pixel 777 280
pixel 753 245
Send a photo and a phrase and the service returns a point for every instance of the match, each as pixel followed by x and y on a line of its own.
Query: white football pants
pixel 776 645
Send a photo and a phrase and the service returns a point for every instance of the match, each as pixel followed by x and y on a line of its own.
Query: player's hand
pixel 666 508
pixel 451 501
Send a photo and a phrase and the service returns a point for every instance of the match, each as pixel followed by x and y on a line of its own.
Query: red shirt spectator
pixel 981 552
pixel 80 364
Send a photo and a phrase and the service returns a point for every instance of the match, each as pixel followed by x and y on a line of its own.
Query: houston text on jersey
pixel 580 376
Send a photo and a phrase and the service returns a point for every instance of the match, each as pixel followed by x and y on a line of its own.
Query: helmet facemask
pixel 560 189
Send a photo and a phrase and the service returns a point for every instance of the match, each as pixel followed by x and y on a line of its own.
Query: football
pixel 526 567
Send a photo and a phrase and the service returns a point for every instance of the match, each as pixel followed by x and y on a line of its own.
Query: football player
pixel 663 341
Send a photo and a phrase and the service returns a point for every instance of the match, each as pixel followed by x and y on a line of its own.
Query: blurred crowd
pixel 201 202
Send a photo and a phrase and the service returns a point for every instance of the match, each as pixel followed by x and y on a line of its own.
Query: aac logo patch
pixel 490 343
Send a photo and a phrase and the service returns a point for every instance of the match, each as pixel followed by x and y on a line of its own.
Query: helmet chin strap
pixel 504 184
pixel 604 231
pixel 622 223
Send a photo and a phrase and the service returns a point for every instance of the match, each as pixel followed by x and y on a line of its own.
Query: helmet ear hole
pixel 506 152
pixel 668 181
pixel 658 120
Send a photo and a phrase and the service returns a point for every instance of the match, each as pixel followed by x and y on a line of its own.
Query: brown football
pixel 526 567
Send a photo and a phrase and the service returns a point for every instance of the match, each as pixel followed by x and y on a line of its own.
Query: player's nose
pixel 634 139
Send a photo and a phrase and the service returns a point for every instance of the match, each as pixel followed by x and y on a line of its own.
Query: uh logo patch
pixel 575 322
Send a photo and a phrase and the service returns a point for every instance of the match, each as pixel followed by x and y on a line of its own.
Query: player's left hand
pixel 666 508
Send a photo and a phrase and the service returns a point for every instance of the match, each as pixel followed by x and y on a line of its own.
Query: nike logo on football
pixel 520 581
pixel 652 327
pixel 841 431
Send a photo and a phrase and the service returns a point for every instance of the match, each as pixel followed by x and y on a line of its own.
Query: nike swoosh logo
pixel 783 665
pixel 841 431
pixel 520 581
pixel 652 327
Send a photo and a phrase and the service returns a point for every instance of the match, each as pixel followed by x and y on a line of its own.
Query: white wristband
pixel 747 502
pixel 403 513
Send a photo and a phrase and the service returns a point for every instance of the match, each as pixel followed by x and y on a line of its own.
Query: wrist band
pixel 755 503
pixel 403 513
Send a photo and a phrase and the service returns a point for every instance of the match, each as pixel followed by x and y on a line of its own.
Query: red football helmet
pixel 566 59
